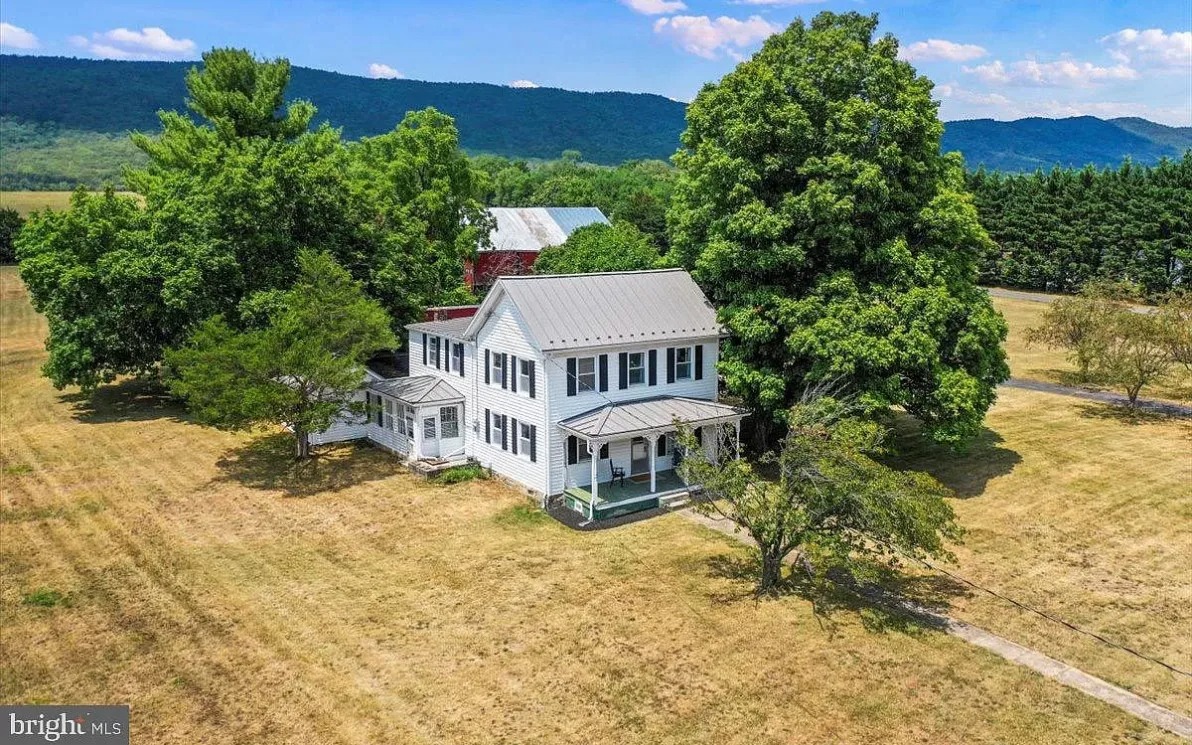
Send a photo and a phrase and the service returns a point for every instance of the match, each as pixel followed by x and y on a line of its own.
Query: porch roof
pixel 648 415
pixel 418 390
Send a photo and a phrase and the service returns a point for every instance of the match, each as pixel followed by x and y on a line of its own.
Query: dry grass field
pixel 25 202
pixel 1036 362
pixel 232 597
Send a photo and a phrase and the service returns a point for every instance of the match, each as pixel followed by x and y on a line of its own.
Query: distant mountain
pixel 83 98
pixel 116 96
pixel 1029 144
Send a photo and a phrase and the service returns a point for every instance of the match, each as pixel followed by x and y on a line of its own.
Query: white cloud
pixel 655 7
pixel 941 49
pixel 522 84
pixel 705 37
pixel 1151 47
pixel 15 37
pixel 148 43
pixel 1061 73
pixel 379 70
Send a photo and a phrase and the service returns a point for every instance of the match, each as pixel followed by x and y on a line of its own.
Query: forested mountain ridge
pixel 81 96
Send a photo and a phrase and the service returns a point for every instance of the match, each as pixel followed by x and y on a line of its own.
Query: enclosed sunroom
pixel 420 417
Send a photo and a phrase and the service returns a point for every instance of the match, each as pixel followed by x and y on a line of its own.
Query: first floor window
pixel 498 429
pixel 428 428
pixel 585 374
pixel 449 422
pixel 409 421
pixel 400 421
pixel 525 439
pixel 637 368
pixel 577 451
pixel 388 414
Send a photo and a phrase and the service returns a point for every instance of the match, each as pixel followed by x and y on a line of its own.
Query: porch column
pixel 594 451
pixel 653 440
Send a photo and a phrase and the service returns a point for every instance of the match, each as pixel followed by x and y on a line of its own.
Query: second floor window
pixel 585 374
pixel 525 371
pixel 434 351
pixel 637 368
pixel 498 370
pixel 683 363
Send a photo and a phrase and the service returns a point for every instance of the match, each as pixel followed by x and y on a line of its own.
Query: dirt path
pixel 1048 667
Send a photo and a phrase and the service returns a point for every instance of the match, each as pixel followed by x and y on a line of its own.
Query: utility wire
pixel 1043 614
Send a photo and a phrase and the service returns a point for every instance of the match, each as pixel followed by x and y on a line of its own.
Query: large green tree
pixel 825 495
pixel 816 210
pixel 599 248
pixel 229 201
pixel 301 368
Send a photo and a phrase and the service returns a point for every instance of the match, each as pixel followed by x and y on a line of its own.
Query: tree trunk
pixel 303 442
pixel 771 571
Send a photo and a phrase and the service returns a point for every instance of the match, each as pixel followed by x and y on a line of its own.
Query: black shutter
pixel 513 378
pixel 460 349
pixel 699 361
pixel 516 434
pixel 504 432
pixel 623 375
pixel 533 442
pixel 487 367
pixel 504 370
pixel 603 454
pixel 670 364
pixel 653 366
pixel 572 456
pixel 531 364
pixel 661 448
pixel 439 353
pixel 603 359
pixel 570 376
pixel 488 427
pixel 699 435
pixel 424 350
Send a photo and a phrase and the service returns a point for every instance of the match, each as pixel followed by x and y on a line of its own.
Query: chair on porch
pixel 618 474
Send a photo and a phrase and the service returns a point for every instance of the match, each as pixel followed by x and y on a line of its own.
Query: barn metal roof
pixel 535 228
pixel 419 389
pixel 579 311
pixel 648 415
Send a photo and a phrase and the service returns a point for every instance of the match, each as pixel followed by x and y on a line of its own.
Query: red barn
pixel 522 232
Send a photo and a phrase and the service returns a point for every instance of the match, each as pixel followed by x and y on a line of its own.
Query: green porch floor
pixel 611 493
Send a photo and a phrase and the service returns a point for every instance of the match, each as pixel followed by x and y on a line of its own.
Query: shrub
pixel 459 474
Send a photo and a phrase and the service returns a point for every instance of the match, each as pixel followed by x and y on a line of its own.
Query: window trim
pixel 580 386
pixel 523 378
pixel 525 439
pixel 497 370
pixel 690 352
pixel 630 369
pixel 454 420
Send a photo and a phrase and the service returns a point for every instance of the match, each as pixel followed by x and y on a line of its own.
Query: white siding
pixel 346 426
pixel 504 332
pixel 563 406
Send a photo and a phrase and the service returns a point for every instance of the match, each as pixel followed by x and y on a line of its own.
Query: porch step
pixel 674 500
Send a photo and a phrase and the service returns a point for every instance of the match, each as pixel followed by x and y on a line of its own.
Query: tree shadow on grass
pixel 1123 414
pixel 885 601
pixel 130 400
pixel 965 473
pixel 268 463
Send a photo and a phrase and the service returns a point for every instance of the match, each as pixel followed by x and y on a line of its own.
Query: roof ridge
pixel 594 274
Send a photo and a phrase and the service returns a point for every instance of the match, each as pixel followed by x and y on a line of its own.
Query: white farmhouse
pixel 568 385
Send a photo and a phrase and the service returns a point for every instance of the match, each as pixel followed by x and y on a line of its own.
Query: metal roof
pixel 452 327
pixel 578 311
pixel 648 415
pixel 420 389
pixel 535 228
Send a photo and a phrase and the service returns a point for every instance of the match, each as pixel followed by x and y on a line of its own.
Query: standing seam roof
pixel 587 310
pixel 535 228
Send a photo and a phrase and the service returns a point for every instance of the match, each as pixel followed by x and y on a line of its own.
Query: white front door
pixel 430 436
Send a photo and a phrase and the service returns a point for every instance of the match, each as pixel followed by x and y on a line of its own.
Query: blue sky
pixel 990 58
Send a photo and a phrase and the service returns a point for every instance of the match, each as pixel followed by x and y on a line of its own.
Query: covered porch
pixel 623 457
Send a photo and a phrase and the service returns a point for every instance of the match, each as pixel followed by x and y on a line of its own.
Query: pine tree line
pixel 1056 230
